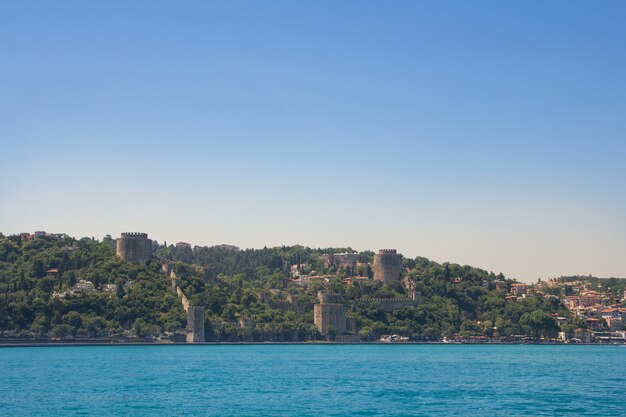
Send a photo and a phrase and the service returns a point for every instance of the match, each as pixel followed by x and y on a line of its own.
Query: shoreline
pixel 17 344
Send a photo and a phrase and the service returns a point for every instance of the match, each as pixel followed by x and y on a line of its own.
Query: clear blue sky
pixel 485 133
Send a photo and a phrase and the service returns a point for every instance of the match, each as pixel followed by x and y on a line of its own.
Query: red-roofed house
pixel 594 324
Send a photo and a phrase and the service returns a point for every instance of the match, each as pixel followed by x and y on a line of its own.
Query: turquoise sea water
pixel 304 380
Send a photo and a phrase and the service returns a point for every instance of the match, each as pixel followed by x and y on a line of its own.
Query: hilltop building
pixel 134 247
pixel 387 266
pixel 343 259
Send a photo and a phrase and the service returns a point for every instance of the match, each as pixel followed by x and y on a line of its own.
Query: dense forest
pixel 244 293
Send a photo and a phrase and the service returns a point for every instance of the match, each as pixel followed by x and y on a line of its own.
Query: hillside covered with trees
pixel 46 292
pixel 35 275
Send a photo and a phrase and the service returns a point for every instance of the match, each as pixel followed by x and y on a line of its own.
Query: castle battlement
pixel 325 298
pixel 390 304
pixel 384 300
pixel 134 235
pixel 387 251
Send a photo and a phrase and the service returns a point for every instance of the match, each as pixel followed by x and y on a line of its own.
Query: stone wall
pixel 348 338
pixel 195 314
pixel 390 304
pixel 291 303
pixel 167 267
pixel 183 298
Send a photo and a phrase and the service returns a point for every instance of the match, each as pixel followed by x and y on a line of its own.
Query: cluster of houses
pixel 39 234
pixel 84 286
pixel 604 318
pixel 601 311
pixel 340 259
pixel 302 279
pixel 520 290
pixel 306 280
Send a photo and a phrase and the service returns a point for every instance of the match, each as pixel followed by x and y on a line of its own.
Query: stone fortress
pixel 134 247
pixel 387 266
pixel 330 313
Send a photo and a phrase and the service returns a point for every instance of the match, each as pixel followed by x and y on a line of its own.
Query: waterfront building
pixel 329 314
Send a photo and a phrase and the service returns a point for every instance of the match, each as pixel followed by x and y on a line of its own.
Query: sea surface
pixel 313 380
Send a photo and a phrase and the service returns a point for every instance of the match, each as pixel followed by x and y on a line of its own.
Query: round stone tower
pixel 134 247
pixel 387 265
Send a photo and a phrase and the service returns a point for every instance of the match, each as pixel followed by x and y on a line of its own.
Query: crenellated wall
pixel 390 304
pixel 195 314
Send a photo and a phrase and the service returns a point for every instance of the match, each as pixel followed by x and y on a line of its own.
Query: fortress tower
pixel 387 266
pixel 329 313
pixel 195 324
pixel 134 247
